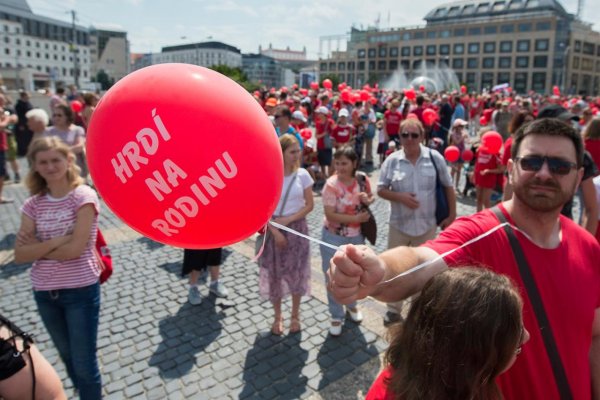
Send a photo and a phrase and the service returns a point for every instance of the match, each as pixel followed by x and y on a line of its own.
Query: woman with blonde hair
pixel 57 234
pixel 285 261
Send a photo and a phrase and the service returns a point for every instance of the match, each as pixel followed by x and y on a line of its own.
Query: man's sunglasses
pixel 557 166
pixel 405 135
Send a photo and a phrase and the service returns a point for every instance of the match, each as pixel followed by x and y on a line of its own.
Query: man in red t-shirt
pixel 545 171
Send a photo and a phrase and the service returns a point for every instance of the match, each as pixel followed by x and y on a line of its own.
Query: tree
pixel 237 75
pixel 104 80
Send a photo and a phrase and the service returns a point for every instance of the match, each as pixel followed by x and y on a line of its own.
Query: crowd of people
pixel 465 327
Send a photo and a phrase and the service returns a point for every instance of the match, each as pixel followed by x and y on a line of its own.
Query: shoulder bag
pixel 369 228
pixel 442 209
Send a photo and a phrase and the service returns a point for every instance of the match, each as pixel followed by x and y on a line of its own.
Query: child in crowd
pixel 391 148
pixel 382 146
pixel 485 176
pixel 464 330
pixel 343 132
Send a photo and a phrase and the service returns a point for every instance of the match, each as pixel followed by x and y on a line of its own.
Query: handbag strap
pixel 287 193
pixel 437 176
pixel 538 307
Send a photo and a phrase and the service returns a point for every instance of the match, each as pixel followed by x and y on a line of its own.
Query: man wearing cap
pixel 298 120
pixel 343 132
pixel 270 105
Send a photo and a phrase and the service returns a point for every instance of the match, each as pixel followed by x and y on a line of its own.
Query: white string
pixel 312 239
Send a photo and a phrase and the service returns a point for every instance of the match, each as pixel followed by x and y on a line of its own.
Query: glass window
pixel 523 45
pixel 469 9
pixel 506 46
pixel 361 53
pixel 351 66
pixel 488 62
pixel 459 76
pixel 418 50
pixel 459 32
pixel 507 28
pixel 470 78
pixel 406 36
pixel 474 31
pixel 472 63
pixel 525 27
pixel 445 33
pixel 498 6
pixel 540 61
pixel 383 52
pixel 490 30
pixel 459 48
pixel 341 66
pixel 371 65
pixel 504 62
pixel 473 48
pixel 381 65
pixel 538 81
pixel 419 35
pixel 503 77
pixel 522 62
pixel 444 49
pixel 393 52
pixel 542 45
pixel 372 53
pixel 543 26
pixel 575 62
pixel 405 51
pixel 588 48
pixel 453 11
pixel 431 34
pixel 577 46
pixel 405 65
pixel 487 79
pixel 489 47
pixel 332 66
pixel 393 65
pixel 431 50
pixel 520 82
pixel 361 65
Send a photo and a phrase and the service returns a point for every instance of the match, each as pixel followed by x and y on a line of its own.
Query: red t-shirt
pixel 320 127
pixel 3 141
pixel 485 161
pixel 568 279
pixel 506 151
pixel 342 134
pixel 593 146
pixel 392 122
pixel 379 390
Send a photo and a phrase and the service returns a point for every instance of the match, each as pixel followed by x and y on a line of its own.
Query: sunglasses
pixel 557 166
pixel 406 135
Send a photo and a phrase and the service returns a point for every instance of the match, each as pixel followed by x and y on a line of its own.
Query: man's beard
pixel 543 201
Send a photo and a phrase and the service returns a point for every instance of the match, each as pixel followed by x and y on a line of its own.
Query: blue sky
pixel 151 24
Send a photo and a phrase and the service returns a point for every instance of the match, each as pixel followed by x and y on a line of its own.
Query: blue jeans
pixel 71 318
pixel 335 309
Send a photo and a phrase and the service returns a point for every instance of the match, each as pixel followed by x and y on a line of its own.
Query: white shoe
pixel 356 316
pixel 218 289
pixel 335 330
pixel 194 296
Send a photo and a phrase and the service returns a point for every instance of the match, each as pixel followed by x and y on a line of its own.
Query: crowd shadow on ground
pixel 184 336
pixel 273 368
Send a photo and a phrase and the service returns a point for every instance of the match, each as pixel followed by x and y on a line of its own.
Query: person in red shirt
pixel 343 132
pixel 487 168
pixel 545 169
pixel 391 121
pixel 323 132
pixel 453 364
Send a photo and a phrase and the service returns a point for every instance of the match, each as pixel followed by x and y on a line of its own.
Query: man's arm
pixel 358 272
pixel 595 356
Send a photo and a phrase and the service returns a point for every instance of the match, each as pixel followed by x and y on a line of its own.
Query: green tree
pixel 237 75
pixel 105 81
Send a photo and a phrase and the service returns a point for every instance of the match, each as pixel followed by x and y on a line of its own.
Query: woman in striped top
pixel 58 233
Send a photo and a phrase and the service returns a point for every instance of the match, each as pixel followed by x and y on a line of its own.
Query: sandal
pixel 277 327
pixel 295 326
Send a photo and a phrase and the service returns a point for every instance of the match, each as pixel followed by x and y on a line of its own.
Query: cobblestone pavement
pixel 153 344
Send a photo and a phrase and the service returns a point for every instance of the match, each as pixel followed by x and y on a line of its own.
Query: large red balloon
pixel 327 84
pixel 452 153
pixel 160 162
pixel 306 133
pixel 467 155
pixel 491 142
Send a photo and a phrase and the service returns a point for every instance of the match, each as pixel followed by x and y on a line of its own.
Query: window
pixel 472 63
pixel 523 46
pixel 405 65
pixel 7 51
pixel 406 36
pixel 405 51
pixel 577 46
pixel 393 52
pixel 371 65
pixel 490 30
pixel 575 62
pixel 383 52
pixel 474 31
pixel 470 78
pixel 417 64
pixel 507 28
pixel 459 76
pixel 351 66
pixel 393 65
pixel 418 50
pixel 341 66
pixel 526 27
pixel 520 82
pixel 473 48
pixel 372 53
pixel 419 35
pixel 542 45
pixel 459 32
pixel 506 46
pixel 540 61
pixel 361 65
pixel 489 47
pixel 487 79
pixel 498 6
pixel 503 77
pixel 588 48
pixel 381 65
pixel 431 50
pixel 543 26
pixel 431 34
pixel 444 49
pixel 453 11
pixel 459 48
pixel 458 63
pixel 445 34
pixel 522 62
pixel 361 53
pixel 504 62
pixel 538 81
pixel 488 62
pixel 332 66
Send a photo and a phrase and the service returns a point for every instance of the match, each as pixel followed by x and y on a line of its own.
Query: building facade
pixel 109 53
pixel 530 44
pixel 262 69
pixel 39 52
pixel 204 54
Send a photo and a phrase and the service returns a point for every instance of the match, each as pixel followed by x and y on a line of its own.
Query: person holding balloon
pixel 57 233
pixel 458 137
pixel 487 168
pixel 285 261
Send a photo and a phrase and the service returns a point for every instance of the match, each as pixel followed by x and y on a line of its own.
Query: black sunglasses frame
pixel 412 135
pixel 556 166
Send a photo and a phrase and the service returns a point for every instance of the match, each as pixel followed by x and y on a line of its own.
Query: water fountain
pixel 433 78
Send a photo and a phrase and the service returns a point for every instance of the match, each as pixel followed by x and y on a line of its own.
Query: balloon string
pixel 262 246
pixel 312 239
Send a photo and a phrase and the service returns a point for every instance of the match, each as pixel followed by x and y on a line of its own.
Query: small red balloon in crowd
pixel 346 95
pixel 364 95
pixel 76 106
pixel 483 121
pixel 314 85
pixel 327 84
pixel 491 142
pixel 429 116
pixel 463 89
pixel 422 88
pixel 373 100
pixel 467 155
pixel 166 173
pixel 410 94
pixel 452 153
pixel 556 91
pixel 304 92
pixel 306 133
pixel 295 86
